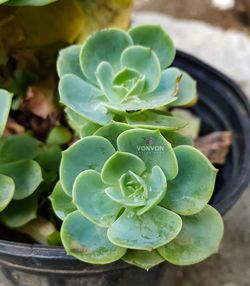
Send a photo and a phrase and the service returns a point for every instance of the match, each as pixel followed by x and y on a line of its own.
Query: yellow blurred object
pixel 58 24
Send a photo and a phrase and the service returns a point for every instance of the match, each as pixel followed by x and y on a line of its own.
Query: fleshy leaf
pixel 112 131
pixel 194 122
pixel 104 76
pixel 7 189
pixel 164 94
pixel 142 258
pixel 144 61
pixel 83 98
pixel 157 39
pixel 61 202
pixel 88 153
pixel 157 187
pixel 59 135
pixel 91 200
pixel 68 61
pixel 50 158
pixel 26 175
pixel 89 128
pixel 193 187
pixel 199 238
pixel 187 93
pixel 156 120
pixel 152 148
pixel 19 147
pixel 151 230
pixel 177 139
pixel 87 241
pixel 20 212
pixel 119 164
pixel 116 195
pixel 5 103
pixel 98 49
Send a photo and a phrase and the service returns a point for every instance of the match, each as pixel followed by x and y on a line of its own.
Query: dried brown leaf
pixel 215 146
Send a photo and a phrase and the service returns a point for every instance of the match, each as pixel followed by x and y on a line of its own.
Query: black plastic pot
pixel 222 106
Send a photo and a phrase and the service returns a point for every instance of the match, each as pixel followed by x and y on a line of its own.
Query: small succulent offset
pixel 124 76
pixel 138 199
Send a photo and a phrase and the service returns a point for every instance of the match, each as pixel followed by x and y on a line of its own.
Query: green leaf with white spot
pixel 87 241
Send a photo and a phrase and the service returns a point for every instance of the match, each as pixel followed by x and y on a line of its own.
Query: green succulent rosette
pixel 137 198
pixel 123 76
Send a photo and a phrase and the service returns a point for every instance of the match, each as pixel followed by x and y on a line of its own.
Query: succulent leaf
pixel 152 148
pixel 20 212
pixel 111 131
pixel 18 147
pixel 88 104
pixel 176 139
pixel 91 200
pixel 98 49
pixel 120 163
pixel 87 241
pixel 199 238
pixel 155 120
pixel 26 175
pixel 157 39
pixel 154 228
pixel 187 92
pixel 68 61
pixel 7 189
pixel 157 187
pixel 62 203
pixel 142 258
pixel 145 62
pixel 87 153
pixel 5 103
pixel 193 187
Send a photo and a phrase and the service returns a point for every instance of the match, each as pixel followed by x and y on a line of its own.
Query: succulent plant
pixel 124 76
pixel 137 198
pixel 28 168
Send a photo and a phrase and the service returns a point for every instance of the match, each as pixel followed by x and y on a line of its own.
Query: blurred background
pixel 218 32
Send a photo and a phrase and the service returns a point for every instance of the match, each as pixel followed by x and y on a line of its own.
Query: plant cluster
pixel 26 2
pixel 133 187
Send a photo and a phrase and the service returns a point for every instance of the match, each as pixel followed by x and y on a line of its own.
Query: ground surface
pixel 230 52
